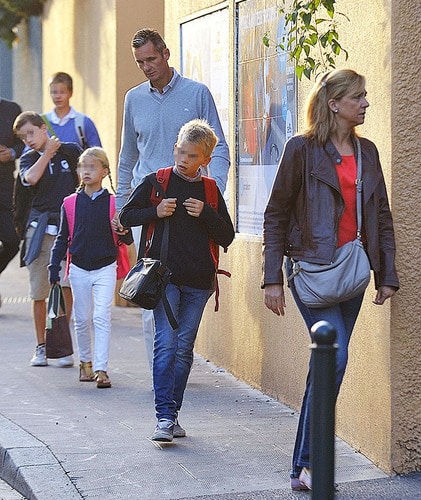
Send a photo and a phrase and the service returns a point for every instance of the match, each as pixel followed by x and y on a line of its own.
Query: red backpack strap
pixel 163 177
pixel 211 196
pixel 211 192
pixel 69 204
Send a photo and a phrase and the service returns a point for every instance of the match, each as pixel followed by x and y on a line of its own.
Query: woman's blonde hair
pixel 101 156
pixel 320 119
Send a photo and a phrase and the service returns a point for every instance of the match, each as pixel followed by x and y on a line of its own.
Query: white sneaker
pixel 39 358
pixel 65 362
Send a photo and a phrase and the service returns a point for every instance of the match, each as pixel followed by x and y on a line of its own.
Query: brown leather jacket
pixel 303 212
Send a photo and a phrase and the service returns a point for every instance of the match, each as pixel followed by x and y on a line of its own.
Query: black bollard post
pixel 322 433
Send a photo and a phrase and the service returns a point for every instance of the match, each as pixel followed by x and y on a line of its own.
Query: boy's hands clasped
pixel 168 205
pixel 193 207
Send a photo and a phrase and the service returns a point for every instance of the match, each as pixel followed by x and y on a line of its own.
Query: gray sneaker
pixel 39 358
pixel 179 432
pixel 164 431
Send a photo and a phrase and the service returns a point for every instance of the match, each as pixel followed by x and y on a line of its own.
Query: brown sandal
pixel 86 373
pixel 102 380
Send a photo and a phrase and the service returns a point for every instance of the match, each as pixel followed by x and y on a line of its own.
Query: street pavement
pixel 61 439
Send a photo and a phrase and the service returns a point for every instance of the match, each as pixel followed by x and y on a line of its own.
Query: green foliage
pixel 8 21
pixel 12 12
pixel 311 36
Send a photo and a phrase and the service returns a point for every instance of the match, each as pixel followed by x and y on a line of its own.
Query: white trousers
pixel 148 322
pixel 93 295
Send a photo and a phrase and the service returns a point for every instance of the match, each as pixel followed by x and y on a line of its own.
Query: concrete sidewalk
pixel 61 439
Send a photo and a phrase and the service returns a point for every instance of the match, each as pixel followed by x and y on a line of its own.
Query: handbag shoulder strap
pixel 164 252
pixel 55 304
pixel 359 188
pixel 165 236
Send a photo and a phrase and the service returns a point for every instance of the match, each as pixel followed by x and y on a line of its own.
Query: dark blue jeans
pixel 173 349
pixel 342 317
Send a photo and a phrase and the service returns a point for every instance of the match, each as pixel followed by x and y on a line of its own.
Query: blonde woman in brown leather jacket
pixel 311 212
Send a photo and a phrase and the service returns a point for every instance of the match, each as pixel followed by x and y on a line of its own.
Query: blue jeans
pixel 173 349
pixel 342 317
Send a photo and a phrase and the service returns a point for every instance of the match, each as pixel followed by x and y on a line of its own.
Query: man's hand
pixel 275 299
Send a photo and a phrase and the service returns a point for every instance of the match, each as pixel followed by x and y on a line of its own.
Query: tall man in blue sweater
pixel 154 112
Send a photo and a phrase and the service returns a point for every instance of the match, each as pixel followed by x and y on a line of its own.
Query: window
pixel 266 109
pixel 204 58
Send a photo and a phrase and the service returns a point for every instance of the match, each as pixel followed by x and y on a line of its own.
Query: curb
pixel 28 466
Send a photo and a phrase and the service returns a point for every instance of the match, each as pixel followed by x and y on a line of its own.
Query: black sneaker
pixel 164 431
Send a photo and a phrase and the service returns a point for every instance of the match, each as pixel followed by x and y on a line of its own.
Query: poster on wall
pixel 204 57
pixel 266 108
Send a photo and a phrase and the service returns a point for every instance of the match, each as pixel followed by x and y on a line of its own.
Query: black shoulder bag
pixel 147 280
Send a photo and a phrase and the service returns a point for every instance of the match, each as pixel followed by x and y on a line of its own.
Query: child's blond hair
pixel 198 132
pixel 100 154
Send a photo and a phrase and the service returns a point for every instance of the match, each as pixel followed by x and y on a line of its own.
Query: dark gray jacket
pixel 303 212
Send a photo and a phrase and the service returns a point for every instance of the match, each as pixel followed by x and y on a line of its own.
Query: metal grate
pixel 15 300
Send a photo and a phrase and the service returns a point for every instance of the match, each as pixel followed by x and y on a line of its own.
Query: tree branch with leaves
pixel 311 36
pixel 12 12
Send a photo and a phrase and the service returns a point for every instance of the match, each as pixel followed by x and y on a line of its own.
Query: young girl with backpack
pixel 85 234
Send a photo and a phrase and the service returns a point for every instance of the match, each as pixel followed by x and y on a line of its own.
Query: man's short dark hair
pixel 145 35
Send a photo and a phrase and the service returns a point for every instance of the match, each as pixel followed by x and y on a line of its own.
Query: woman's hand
pixel 383 293
pixel 275 299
